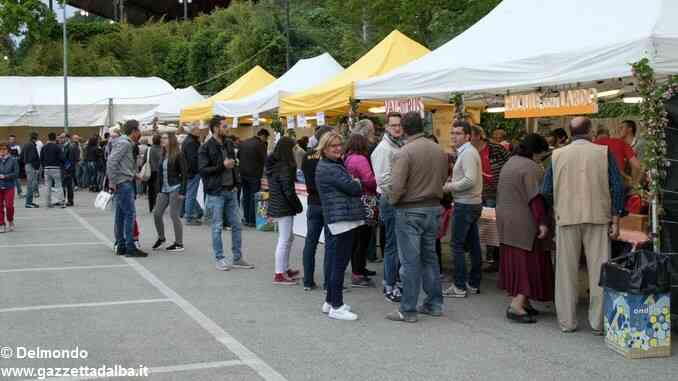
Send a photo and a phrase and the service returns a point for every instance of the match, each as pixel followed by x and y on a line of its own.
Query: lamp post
pixel 65 71
pixel 185 3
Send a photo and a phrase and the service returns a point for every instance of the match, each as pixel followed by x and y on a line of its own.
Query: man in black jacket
pixel 252 157
pixel 71 159
pixel 217 164
pixel 190 148
pixel 31 160
pixel 52 158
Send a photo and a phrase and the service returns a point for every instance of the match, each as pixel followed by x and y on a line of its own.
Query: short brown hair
pixel 4 145
pixel 393 115
pixel 358 144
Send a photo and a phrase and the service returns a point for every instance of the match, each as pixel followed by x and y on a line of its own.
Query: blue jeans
pixel 31 182
pixel 465 235
pixel 337 254
pixel 250 186
pixel 191 203
pixel 416 229
pixel 225 203
pixel 124 215
pixel 388 218
pixel 314 225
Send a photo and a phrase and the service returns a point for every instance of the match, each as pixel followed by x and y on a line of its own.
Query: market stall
pixel 251 82
pixel 333 96
pixel 29 103
pixel 169 106
pixel 304 74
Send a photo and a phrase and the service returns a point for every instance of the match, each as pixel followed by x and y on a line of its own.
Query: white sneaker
pixel 222 265
pixel 327 307
pixel 342 314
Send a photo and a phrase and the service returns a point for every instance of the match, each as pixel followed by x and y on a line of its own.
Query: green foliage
pixel 493 121
pixel 617 110
pixel 218 48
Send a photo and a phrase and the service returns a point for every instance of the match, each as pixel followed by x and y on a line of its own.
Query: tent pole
pixel 109 122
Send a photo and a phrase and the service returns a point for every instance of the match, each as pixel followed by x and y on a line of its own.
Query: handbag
pixel 145 173
pixel 371 209
pixel 103 200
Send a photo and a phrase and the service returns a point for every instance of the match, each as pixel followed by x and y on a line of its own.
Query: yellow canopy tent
pixel 251 82
pixel 333 96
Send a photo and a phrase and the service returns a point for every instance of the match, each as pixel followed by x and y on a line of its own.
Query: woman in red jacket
pixel 358 165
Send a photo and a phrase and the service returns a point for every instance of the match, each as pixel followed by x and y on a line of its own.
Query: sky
pixel 70 11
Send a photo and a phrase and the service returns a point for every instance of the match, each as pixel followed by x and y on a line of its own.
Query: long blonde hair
pixel 171 151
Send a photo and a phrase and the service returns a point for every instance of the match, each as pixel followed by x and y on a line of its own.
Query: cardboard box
pixel 634 222
pixel 637 326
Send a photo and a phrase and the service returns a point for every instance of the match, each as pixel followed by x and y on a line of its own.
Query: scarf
pixel 396 142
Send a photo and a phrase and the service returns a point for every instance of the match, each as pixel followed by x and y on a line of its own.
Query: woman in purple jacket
pixel 358 165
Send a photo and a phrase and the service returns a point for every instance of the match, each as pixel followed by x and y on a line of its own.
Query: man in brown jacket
pixel 419 171
pixel 588 200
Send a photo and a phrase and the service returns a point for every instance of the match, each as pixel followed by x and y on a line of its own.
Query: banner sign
pixel 567 102
pixel 404 106
pixel 255 120
pixel 320 118
pixel 290 122
pixel 301 121
pixel 235 123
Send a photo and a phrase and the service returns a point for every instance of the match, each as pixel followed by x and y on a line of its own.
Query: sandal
pixel 523 319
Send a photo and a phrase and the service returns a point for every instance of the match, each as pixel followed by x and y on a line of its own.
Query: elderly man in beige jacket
pixel 588 199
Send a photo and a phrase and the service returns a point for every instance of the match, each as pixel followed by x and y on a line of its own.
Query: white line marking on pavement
pixel 27 229
pixel 167 369
pixel 50 245
pixel 250 358
pixel 94 267
pixel 79 305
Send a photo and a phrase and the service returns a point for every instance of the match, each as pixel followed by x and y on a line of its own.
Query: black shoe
pixel 136 253
pixel 158 243
pixel 69 204
pixel 120 250
pixel 175 248
pixel 531 311
pixel 32 206
pixel 368 272
pixel 523 319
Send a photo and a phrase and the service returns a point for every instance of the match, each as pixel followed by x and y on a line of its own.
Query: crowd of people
pixel 552 194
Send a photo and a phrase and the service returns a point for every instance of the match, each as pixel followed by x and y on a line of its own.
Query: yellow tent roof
pixel 333 96
pixel 251 82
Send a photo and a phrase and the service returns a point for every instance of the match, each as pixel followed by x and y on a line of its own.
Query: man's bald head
pixel 580 126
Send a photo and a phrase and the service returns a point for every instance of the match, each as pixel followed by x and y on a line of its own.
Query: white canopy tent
pixel 169 105
pixel 303 75
pixel 92 101
pixel 523 44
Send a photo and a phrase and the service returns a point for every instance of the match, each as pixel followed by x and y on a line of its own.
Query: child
pixel 9 172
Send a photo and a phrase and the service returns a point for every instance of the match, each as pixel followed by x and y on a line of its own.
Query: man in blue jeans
pixel 466 186
pixel 217 164
pixel 252 157
pixel 419 172
pixel 382 163
pixel 121 172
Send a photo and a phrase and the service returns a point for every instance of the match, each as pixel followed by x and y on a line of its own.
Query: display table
pixel 487 225
pixel 299 227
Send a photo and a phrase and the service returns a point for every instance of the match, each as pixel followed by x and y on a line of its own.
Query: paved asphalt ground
pixel 61 287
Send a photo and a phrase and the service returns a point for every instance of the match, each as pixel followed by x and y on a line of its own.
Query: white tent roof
pixel 303 75
pixel 38 101
pixel 169 105
pixel 524 44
